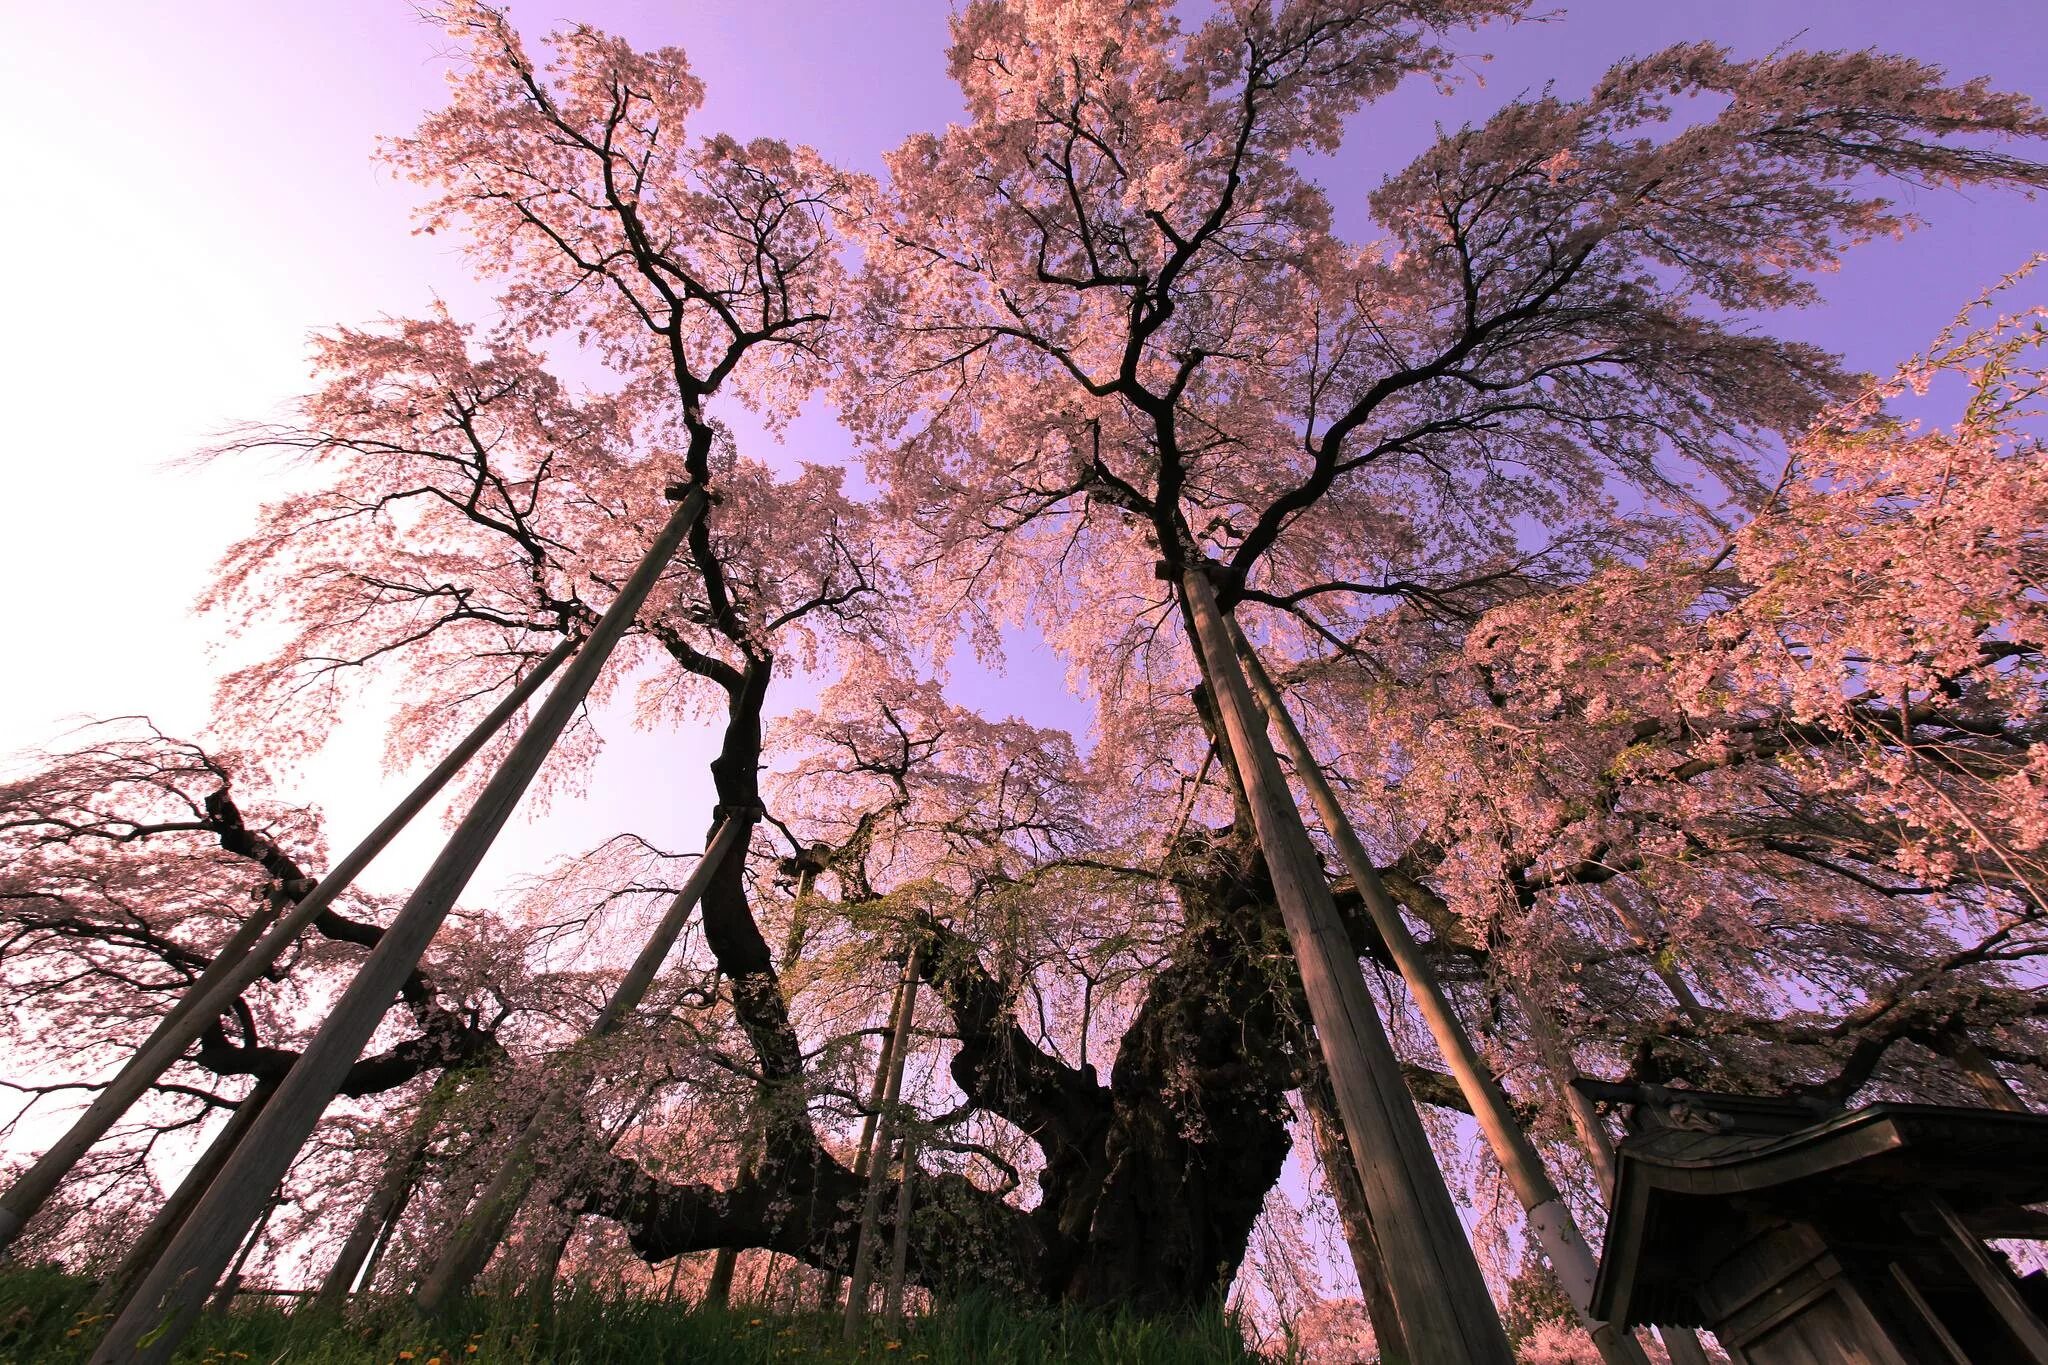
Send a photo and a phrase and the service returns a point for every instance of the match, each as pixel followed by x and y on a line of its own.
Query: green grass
pixel 40 1322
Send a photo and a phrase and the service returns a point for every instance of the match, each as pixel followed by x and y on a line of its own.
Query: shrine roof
pixel 1695 1156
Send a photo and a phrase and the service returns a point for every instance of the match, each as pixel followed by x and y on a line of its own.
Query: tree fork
pixel 171 1295
pixel 1447 1316
pixel 237 965
pixel 479 1233
pixel 1549 1217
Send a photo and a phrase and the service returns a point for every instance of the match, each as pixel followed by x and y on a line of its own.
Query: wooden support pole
pixel 1349 1196
pixel 1447 1316
pixel 171 1295
pixel 120 1284
pixel 899 1240
pixel 387 1202
pixel 1996 1091
pixel 231 1283
pixel 1549 1218
pixel 1557 1059
pixel 1995 1282
pixel 239 962
pixel 480 1231
pixel 386 1234
pixel 828 1293
pixel 885 1131
pixel 1682 1344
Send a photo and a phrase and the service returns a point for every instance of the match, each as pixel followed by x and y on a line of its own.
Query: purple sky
pixel 191 192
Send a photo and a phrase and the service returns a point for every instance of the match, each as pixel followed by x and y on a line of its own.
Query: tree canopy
pixel 1685 688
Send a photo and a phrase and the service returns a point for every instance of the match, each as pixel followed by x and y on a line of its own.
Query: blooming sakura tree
pixel 1678 763
pixel 132 869
pixel 1805 825
pixel 1243 395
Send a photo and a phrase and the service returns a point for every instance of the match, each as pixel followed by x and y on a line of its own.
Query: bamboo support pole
pixel 240 961
pixel 1447 1316
pixel 171 1295
pixel 1550 1219
pixel 484 1226
pixel 884 1133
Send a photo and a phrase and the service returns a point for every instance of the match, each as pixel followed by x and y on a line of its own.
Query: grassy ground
pixel 40 1322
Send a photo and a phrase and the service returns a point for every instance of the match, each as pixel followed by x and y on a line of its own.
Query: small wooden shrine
pixel 1803 1235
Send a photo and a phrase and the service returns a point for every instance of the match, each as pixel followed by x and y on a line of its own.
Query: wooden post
pixel 1996 1091
pixel 231 1284
pixel 1557 1059
pixel 172 1293
pixel 387 1202
pixel 1994 1282
pixel 828 1292
pixel 899 1241
pixel 1682 1344
pixel 238 963
pixel 386 1234
pixel 1447 1316
pixel 121 1282
pixel 1550 1219
pixel 885 1131
pixel 1349 1196
pixel 484 1226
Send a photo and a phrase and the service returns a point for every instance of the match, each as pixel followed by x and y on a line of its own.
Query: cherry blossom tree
pixel 133 860
pixel 1685 765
